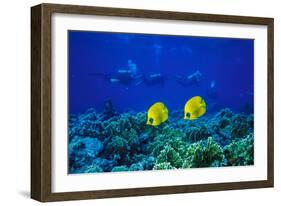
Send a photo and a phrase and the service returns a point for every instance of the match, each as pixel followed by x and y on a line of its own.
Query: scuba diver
pixel 128 76
pixel 125 77
pixel 153 79
pixel 192 79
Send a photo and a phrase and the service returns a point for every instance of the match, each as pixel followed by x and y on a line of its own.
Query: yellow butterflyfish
pixel 157 114
pixel 194 108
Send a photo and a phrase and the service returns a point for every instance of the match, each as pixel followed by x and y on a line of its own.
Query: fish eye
pixel 187 115
pixel 151 120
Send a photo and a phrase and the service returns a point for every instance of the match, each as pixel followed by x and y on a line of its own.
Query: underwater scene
pixel 141 102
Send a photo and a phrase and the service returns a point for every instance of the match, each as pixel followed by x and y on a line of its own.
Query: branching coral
pixel 226 126
pixel 82 151
pixel 205 153
pixel 168 154
pixel 163 166
pixel 169 136
pixel 105 164
pixel 194 134
pixel 120 169
pixel 240 152
pixel 118 149
pixel 240 126
pixel 147 162
pixel 136 167
pixel 86 124
pixel 93 169
pixel 132 137
pixel 89 146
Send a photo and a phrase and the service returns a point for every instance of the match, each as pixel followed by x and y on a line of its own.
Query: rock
pixel 104 164
pixel 143 137
pixel 87 145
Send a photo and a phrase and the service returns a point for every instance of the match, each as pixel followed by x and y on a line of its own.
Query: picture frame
pixel 43 89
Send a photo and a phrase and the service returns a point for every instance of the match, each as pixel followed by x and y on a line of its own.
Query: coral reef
pixel 163 166
pixel 205 153
pixel 120 168
pixel 240 152
pixel 117 142
pixel 169 155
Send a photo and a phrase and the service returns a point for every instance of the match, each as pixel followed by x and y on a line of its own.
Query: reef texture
pixel 112 142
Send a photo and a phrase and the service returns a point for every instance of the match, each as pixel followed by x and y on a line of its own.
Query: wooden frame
pixel 41 102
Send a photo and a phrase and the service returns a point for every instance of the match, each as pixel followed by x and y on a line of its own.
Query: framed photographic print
pixel 130 102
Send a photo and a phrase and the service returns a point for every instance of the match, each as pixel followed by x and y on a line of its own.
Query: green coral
pixel 169 136
pixel 240 152
pixel 147 162
pixel 115 125
pixel 123 128
pixel 178 145
pixel 121 168
pixel 132 137
pixel 168 147
pixel 163 166
pixel 117 149
pixel 196 133
pixel 171 132
pixel 86 124
pixel 139 121
pixel 136 167
pixel 120 149
pixel 226 126
pixel 169 154
pixel 240 126
pixel 205 153
pixel 93 169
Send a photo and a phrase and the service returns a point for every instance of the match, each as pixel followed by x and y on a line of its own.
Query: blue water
pixel 95 57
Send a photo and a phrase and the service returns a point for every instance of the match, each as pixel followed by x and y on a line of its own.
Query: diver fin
pixel 99 74
pixel 139 82
pixel 114 80
pixel 138 77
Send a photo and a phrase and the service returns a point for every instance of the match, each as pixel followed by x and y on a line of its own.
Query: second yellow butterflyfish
pixel 157 114
pixel 194 108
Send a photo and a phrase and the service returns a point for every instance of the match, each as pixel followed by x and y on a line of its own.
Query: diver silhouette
pixel 192 79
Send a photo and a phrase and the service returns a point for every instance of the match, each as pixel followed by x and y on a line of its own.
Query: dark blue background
pixel 228 61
